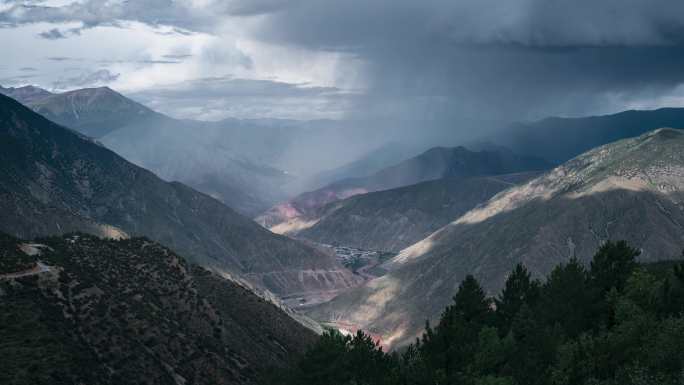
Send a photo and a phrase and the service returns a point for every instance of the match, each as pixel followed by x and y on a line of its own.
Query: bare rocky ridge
pixel 632 189
pixel 54 181
pixel 132 311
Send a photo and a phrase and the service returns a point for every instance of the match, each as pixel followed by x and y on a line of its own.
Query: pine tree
pixel 454 344
pixel 518 291
pixel 534 346
pixel 471 302
pixel 567 299
pixel 612 265
pixel 324 363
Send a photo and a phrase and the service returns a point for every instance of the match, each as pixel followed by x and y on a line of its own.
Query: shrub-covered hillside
pixel 82 310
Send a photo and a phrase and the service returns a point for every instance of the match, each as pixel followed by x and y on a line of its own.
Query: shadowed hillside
pixel 132 311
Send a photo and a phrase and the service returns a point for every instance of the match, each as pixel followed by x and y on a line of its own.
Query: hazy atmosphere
pixel 342 192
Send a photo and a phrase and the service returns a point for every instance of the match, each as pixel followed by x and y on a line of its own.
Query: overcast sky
pixel 309 59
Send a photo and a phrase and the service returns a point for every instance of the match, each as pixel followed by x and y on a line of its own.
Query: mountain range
pixel 448 211
pixel 203 155
pixel 438 162
pixel 632 189
pixel 78 309
pixel 26 94
pixel 54 181
pixel 374 161
pixel 391 220
pixel 560 139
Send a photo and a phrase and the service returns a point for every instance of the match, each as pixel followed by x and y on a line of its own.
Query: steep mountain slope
pixel 203 155
pixel 632 189
pixel 436 163
pixel 559 139
pixel 393 219
pixel 54 181
pixel 121 312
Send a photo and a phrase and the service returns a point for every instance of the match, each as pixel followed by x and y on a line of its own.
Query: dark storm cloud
pixel 443 58
pixel 517 59
pixel 361 24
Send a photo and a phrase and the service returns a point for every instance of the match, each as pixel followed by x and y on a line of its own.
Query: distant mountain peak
pixel 94 112
pixel 26 94
pixel 560 139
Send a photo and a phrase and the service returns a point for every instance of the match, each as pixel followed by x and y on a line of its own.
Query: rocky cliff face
pixel 131 311
pixel 54 181
pixel 632 189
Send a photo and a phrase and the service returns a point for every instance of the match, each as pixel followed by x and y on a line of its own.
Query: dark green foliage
pixel 338 360
pixel 470 303
pixel 612 265
pixel 454 342
pixel 519 290
pixel 616 323
pixel 12 260
pixel 36 346
pixel 569 299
